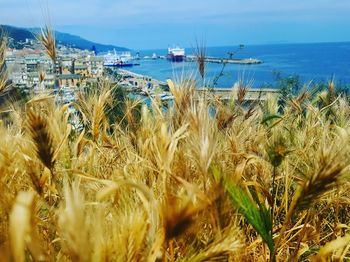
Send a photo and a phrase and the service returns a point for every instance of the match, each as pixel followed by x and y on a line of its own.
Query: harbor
pixel 175 54
pixel 209 59
pixel 148 86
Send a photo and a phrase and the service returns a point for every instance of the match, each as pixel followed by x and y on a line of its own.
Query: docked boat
pixel 166 97
pixel 176 54
pixel 163 96
pixel 118 60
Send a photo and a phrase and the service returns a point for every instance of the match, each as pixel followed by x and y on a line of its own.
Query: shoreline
pixel 143 83
pixel 252 94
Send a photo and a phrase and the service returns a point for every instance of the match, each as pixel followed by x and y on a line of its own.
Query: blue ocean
pixel 315 62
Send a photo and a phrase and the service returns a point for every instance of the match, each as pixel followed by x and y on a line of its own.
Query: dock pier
pixel 243 61
pixel 252 94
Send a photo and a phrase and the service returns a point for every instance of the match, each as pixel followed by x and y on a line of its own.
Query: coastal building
pixel 66 62
pixel 19 78
pixel 34 70
pixel 69 80
pixel 81 70
pixel 95 66
pixel 24 68
pixel 31 68
pixel 33 80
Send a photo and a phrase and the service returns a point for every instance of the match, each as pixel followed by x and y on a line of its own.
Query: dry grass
pixel 186 184
pixel 200 54
pixel 48 41
pixel 47 38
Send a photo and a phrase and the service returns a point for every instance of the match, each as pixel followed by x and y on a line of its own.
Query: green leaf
pixel 255 213
pixel 268 117
pixel 216 173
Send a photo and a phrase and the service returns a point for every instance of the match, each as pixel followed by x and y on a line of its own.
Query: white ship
pixel 118 60
pixel 176 54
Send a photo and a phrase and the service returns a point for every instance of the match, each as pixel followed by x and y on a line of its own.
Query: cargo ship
pixel 176 54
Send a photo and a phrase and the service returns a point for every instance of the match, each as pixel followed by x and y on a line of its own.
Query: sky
pixel 147 24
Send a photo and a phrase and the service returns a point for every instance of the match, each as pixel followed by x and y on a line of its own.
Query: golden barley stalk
pixel 42 139
pixel 47 38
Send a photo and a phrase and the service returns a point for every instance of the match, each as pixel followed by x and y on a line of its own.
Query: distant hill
pixel 81 43
pixel 18 34
pixel 21 34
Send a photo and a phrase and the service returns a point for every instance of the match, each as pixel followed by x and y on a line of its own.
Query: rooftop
pixel 80 67
pixel 69 76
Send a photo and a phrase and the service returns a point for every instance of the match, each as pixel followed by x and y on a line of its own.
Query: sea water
pixel 311 62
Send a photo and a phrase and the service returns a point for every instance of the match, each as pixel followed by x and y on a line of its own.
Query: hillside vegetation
pixel 21 34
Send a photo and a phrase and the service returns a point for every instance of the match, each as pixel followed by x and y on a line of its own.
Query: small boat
pixel 154 56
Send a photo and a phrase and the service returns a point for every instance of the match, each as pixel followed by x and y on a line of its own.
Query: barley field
pixel 204 180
